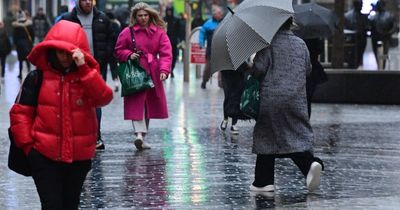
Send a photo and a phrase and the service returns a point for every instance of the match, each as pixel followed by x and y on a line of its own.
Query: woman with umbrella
pixel 283 129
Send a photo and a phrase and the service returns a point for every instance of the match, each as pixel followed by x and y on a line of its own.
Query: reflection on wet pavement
pixel 193 165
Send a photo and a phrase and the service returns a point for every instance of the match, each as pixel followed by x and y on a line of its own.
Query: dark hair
pixel 63 8
pixel 55 63
pixel 110 15
pixel 287 25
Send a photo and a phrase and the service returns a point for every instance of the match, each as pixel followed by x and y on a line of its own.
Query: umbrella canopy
pixel 246 30
pixel 314 21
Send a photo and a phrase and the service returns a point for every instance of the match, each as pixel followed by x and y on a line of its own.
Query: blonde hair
pixel 154 16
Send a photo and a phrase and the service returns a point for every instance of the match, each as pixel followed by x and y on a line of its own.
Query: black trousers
pixel 265 166
pixel 3 65
pixel 59 184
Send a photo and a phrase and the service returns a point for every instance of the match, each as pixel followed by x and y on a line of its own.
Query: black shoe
pixel 203 85
pixel 100 145
pixel 172 75
pixel 116 89
pixel 20 77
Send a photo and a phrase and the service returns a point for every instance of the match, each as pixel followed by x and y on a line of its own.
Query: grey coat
pixel 283 126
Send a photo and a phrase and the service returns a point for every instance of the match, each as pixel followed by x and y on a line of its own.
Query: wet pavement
pixel 193 165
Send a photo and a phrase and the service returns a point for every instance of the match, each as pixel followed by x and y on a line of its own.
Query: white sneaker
pixel 314 176
pixel 268 188
pixel 140 144
pixel 234 130
pixel 223 125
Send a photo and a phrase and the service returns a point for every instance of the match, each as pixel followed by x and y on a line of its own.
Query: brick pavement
pixel 194 166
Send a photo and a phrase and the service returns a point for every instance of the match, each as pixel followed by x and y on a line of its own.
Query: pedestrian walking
pixel 233 85
pixel 100 36
pixel 317 75
pixel 23 39
pixel 358 22
pixel 155 57
pixel 54 117
pixel 206 33
pixel 41 25
pixel 63 10
pixel 382 28
pixel 283 128
pixel 174 34
pixel 5 48
pixel 112 61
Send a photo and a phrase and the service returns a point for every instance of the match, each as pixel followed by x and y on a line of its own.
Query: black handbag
pixel 17 160
pixel 132 76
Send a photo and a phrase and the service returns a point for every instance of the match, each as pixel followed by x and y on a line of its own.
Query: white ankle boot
pixel 140 144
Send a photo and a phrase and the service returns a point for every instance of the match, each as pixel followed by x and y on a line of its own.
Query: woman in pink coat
pixel 153 49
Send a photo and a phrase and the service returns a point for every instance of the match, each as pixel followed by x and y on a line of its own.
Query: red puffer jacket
pixel 63 125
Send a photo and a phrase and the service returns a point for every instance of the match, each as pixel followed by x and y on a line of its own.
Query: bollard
pixel 381 56
pixel 198 71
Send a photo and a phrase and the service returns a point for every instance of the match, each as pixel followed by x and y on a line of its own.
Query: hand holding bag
pixel 132 76
pixel 250 100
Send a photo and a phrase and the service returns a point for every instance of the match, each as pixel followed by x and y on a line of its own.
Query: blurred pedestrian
pixel 112 61
pixel 101 41
pixel 41 25
pixel 8 20
pixel 283 129
pixel 155 57
pixel 58 132
pixel 197 20
pixel 358 22
pixel 382 28
pixel 23 35
pixel 174 34
pixel 5 48
pixel 233 86
pixel 63 10
pixel 317 75
pixel 206 33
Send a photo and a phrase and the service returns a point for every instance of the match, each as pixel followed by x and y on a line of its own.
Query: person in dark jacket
pixel 101 39
pixel 317 75
pixel 23 35
pixel 358 22
pixel 382 28
pixel 112 61
pixel 233 85
pixel 173 32
pixel 41 25
pixel 5 48
pixel 54 122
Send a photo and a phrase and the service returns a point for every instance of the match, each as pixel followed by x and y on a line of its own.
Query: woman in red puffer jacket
pixel 56 126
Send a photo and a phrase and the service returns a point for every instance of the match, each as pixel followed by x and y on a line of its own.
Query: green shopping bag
pixel 133 78
pixel 250 100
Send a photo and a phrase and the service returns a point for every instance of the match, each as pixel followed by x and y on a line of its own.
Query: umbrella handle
pixel 230 10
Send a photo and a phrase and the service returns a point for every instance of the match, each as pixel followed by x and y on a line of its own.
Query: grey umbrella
pixel 246 30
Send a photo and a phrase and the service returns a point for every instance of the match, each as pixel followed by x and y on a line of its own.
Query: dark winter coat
pixel 41 25
pixel 233 85
pixel 283 125
pixel 5 44
pixel 23 38
pixel 103 43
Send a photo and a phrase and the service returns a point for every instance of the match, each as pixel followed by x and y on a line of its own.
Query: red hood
pixel 64 35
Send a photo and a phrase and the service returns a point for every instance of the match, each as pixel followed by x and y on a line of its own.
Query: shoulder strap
pixel 133 38
pixel 30 89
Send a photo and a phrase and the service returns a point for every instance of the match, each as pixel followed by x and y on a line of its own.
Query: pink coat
pixel 156 58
